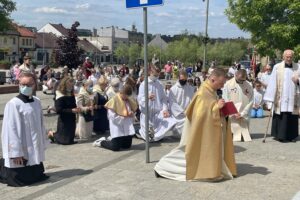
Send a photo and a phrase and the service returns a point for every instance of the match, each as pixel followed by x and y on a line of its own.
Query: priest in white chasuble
pixel 160 121
pixel 180 96
pixel 283 91
pixel 23 137
pixel 240 92
pixel 206 149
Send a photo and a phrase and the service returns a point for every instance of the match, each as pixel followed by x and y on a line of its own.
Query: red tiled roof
pixel 24 32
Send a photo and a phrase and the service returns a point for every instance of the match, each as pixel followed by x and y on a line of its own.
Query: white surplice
pixel 159 124
pixel 265 78
pixel 119 125
pixel 23 132
pixel 179 99
pixel 242 97
pixel 286 102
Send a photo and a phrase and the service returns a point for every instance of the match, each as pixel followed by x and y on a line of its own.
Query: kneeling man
pixel 23 137
pixel 120 111
pixel 206 149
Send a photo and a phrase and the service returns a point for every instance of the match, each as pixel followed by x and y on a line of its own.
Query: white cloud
pixel 50 10
pixel 191 8
pixel 163 14
pixel 84 6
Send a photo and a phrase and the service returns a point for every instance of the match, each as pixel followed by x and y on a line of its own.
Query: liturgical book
pixel 229 109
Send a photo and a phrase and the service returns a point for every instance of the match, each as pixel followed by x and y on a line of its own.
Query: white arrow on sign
pixel 143 1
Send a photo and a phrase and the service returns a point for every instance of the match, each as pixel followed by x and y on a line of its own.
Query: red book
pixel 229 109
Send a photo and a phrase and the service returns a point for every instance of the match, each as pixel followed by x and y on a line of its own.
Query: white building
pixel 56 29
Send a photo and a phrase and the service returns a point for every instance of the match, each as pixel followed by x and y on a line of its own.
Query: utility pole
pixel 160 51
pixel 206 35
pixel 43 49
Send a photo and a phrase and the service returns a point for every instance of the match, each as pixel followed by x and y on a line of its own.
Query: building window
pixel 26 42
pixel 30 42
pixel 4 40
pixel 14 40
pixel 40 56
pixel 23 42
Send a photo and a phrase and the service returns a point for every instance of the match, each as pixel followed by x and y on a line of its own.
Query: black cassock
pixel 66 122
pixel 101 123
pixel 285 126
pixel 23 176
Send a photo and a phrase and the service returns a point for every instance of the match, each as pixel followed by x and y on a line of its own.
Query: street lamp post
pixel 43 49
pixel 206 35
pixel 160 51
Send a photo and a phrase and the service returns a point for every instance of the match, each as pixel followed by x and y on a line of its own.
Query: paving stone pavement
pixel 81 171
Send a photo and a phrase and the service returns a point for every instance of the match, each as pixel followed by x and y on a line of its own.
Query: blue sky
pixel 172 18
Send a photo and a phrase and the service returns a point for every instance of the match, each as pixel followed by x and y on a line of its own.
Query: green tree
pixel 151 51
pixel 134 53
pixel 6 8
pixel 273 24
pixel 122 52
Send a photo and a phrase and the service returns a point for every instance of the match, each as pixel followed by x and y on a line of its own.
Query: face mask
pixel 153 78
pixel 69 90
pixel 90 89
pixel 116 88
pixel 25 90
pixel 182 82
pixel 240 81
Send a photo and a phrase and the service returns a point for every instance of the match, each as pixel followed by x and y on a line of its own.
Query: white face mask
pixel 90 89
pixel 25 90
pixel 153 78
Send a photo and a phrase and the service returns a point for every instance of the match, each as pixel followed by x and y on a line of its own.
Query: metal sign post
pixel 146 83
pixel 144 4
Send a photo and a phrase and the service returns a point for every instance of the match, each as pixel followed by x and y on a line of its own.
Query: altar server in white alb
pixel 240 92
pixel 283 91
pixel 180 96
pixel 121 109
pixel 160 121
pixel 23 137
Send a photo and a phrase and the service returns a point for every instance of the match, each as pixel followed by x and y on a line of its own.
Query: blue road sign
pixel 142 3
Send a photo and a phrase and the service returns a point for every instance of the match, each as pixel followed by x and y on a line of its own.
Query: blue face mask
pixel 25 90
pixel 90 89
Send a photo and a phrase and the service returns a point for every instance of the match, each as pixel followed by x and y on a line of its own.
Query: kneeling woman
pixel 121 109
pixel 66 109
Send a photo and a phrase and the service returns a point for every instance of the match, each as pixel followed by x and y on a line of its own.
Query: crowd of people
pixel 110 100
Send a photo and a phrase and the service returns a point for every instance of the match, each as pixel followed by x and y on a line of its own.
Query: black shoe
pixel 44 177
pixel 51 139
pixel 293 140
pixel 157 174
